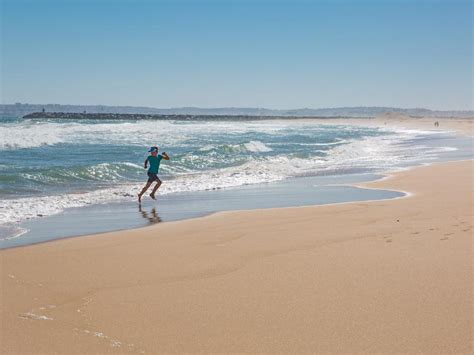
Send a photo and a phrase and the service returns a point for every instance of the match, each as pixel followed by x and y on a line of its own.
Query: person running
pixel 154 160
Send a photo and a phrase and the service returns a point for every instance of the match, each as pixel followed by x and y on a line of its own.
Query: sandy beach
pixel 237 177
pixel 370 277
pixel 464 126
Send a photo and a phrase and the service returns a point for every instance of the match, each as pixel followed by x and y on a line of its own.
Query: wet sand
pixel 382 276
pixel 95 219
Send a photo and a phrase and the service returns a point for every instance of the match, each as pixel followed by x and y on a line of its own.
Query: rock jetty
pixel 128 116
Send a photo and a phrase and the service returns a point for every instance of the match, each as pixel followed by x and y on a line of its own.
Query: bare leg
pixel 143 191
pixel 157 186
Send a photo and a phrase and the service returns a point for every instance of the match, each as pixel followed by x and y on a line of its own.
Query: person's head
pixel 153 151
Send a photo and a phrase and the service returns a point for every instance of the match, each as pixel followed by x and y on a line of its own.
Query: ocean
pixel 50 166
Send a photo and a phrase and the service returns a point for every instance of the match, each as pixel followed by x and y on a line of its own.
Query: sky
pixel 277 54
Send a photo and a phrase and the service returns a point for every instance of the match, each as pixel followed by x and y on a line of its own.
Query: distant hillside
pixel 20 110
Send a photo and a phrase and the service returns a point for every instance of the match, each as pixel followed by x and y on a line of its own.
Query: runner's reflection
pixel 151 216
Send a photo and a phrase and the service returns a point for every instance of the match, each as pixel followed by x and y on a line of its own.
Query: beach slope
pixel 382 276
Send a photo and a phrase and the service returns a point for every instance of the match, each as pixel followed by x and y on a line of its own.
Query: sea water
pixel 50 166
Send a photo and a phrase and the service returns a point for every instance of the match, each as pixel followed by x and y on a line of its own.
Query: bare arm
pixel 146 163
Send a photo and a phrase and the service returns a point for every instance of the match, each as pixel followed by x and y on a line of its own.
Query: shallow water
pixel 293 192
pixel 50 166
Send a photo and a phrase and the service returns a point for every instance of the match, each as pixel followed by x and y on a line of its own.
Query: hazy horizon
pixel 232 107
pixel 278 55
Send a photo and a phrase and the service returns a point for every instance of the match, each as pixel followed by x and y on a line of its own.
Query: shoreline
pixel 463 126
pixel 406 248
pixel 389 194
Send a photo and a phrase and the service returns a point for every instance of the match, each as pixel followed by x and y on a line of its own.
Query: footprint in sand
pixel 445 238
pixel 388 241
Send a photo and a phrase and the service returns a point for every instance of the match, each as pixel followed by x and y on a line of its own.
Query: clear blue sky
pixel 240 53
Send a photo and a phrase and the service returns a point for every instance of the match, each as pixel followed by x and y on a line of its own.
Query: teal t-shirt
pixel 154 163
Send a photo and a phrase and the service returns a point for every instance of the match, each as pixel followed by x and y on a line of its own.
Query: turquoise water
pixel 48 166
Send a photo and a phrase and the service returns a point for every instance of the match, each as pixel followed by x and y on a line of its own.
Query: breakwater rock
pixel 127 116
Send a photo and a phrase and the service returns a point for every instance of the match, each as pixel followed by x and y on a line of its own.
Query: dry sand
pixel 382 276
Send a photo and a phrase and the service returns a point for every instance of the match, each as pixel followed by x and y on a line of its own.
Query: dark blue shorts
pixel 153 177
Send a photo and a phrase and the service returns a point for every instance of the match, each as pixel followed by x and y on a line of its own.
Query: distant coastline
pixel 23 109
pixel 181 117
pixel 163 117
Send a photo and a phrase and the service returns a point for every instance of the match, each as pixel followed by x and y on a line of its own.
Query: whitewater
pixel 48 166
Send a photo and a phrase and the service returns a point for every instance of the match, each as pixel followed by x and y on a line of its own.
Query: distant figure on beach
pixel 154 160
pixel 436 124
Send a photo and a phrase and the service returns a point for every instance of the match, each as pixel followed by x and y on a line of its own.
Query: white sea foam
pixel 381 152
pixel 27 136
pixel 337 142
pixel 30 134
pixel 251 146
pixel 257 146
pixel 207 148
